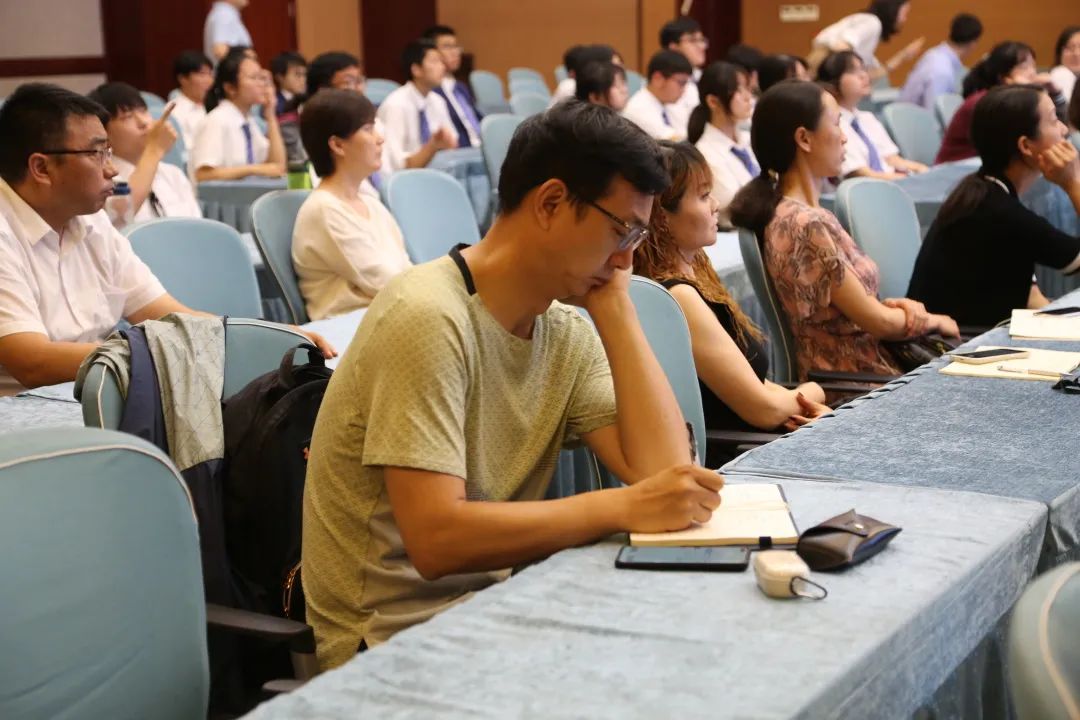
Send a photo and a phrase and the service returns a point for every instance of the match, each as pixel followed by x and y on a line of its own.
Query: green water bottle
pixel 298 177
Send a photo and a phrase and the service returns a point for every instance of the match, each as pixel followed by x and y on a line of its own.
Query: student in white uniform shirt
pixel 575 60
pixel 1066 61
pixel 863 32
pixel 194 75
pixel 225 28
pixel 870 151
pixel 417 122
pixel 229 145
pixel 603 84
pixel 726 101
pixel 649 108
pixel 683 35
pixel 459 99
pixel 346 244
pixel 139 144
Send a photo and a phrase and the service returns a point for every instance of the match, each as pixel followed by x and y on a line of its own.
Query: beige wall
pixel 324 25
pixel 51 28
pixel 1037 23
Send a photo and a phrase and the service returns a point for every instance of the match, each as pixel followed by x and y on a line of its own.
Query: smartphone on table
pixel 722 559
pixel 981 357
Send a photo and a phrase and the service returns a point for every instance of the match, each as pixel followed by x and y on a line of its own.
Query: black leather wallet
pixel 844 541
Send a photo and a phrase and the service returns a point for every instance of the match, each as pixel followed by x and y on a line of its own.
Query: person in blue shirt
pixel 224 28
pixel 938 70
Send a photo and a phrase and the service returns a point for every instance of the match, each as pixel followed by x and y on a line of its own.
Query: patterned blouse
pixel 806 253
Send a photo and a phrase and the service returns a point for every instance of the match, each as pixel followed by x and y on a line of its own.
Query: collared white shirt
pixel 647 112
pixel 860 31
pixel 171 187
pixel 1064 79
pixel 220 140
pixel 679 111
pixel 856 153
pixel 73 288
pixel 224 26
pixel 400 115
pixel 448 84
pixel 729 173
pixel 189 115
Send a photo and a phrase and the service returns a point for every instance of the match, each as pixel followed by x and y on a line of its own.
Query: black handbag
pixel 916 352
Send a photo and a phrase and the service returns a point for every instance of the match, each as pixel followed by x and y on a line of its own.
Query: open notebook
pixel 1049 361
pixel 1026 324
pixel 746 514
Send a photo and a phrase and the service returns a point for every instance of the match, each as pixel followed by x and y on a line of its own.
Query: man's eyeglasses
pixel 633 235
pixel 103 155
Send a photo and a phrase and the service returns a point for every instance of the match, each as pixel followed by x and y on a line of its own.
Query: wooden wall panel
pixel 387 27
pixel 326 25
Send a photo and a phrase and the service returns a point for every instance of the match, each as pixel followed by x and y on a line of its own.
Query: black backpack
pixel 268 428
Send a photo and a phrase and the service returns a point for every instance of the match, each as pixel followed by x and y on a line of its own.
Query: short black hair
pixel 331 113
pixel 283 61
pixel 747 57
pixel 322 69
pixel 673 31
pixel 586 146
pixel 435 32
pixel 668 63
pixel 596 78
pixel 190 61
pixel 34 118
pixel 965 28
pixel 1063 40
pixel 117 97
pixel 414 54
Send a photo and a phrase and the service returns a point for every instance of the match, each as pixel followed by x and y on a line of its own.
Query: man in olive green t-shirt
pixel 441 428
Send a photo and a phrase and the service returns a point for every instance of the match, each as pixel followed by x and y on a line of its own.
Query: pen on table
pixel 1030 371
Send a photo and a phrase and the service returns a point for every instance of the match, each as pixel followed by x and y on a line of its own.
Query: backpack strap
pixel 285 371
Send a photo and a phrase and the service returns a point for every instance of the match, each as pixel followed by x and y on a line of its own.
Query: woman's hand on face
pixel 1060 164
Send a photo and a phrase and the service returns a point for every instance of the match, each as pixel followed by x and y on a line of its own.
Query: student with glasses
pixel 440 430
pixel 459 99
pixel 684 36
pixel 67 277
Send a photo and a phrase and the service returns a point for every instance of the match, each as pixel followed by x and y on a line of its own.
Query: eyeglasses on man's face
pixel 103 154
pixel 633 233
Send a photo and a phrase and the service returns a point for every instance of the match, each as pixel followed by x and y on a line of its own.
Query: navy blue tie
pixel 249 148
pixel 875 159
pixel 425 129
pixel 663 114
pixel 748 162
pixel 459 123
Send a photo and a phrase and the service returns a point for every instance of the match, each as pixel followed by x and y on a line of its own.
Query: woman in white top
pixel 726 101
pixel 870 151
pixel 862 32
pixel 229 144
pixel 1066 61
pixel 346 244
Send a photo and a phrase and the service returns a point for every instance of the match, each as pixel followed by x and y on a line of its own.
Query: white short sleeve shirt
pixel 224 25
pixel 73 286
pixel 856 152
pixel 648 113
pixel 400 116
pixel 173 195
pixel 728 171
pixel 220 141
pixel 189 116
pixel 860 31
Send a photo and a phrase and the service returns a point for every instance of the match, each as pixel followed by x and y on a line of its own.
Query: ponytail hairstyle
pixel 834 67
pixel 783 109
pixel 227 72
pixel 992 70
pixel 658 257
pixel 1003 116
pixel 887 11
pixel 721 80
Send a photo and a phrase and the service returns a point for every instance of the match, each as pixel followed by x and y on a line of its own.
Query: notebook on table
pixel 1045 362
pixel 747 514
pixel 1026 324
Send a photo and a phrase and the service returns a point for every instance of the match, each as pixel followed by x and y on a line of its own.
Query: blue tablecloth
pixel 53 406
pixel 573 637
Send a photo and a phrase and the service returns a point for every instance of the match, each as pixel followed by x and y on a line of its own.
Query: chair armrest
pixel 838 388
pixel 846 377
pixel 298 636
pixel 738 437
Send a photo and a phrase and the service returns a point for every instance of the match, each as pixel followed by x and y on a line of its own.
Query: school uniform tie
pixel 459 123
pixel 425 128
pixel 664 116
pixel 875 159
pixel 248 147
pixel 748 162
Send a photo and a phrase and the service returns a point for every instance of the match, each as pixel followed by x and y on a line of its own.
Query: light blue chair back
pixel 496 131
pixel 945 106
pixel 202 263
pixel 487 88
pixel 252 348
pixel 376 89
pixel 634 81
pixel 783 365
pixel 104 615
pixel 560 74
pixel 1074 137
pixel 273 218
pixel 521 73
pixel 915 131
pixel 528 85
pixel 666 330
pixel 526 104
pixel 1044 647
pixel 178 153
pixel 882 220
pixel 153 102
pixel 433 211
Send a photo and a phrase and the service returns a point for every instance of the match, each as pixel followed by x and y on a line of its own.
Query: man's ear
pixel 548 200
pixel 38 169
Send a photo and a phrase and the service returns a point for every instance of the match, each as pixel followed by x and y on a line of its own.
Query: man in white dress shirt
pixel 684 35
pixel 140 143
pixel 194 75
pixel 416 120
pixel 650 107
pixel 225 28
pixel 459 99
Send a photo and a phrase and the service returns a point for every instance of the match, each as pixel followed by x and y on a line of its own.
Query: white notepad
pixel 1049 360
pixel 746 514
pixel 1026 324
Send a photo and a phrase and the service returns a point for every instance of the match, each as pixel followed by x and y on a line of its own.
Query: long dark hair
pixel 887 11
pixel 1063 40
pixel 228 71
pixel 775 68
pixel 992 69
pixel 834 67
pixel 721 79
pixel 1003 116
pixel 783 109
